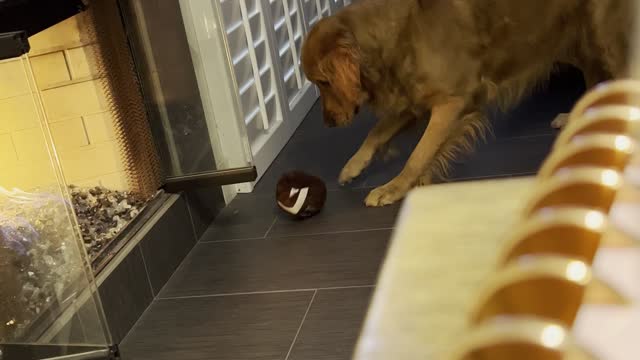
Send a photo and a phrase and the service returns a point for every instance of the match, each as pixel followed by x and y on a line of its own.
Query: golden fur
pixel 448 59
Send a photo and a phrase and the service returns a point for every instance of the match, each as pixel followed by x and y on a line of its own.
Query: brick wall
pixel 81 127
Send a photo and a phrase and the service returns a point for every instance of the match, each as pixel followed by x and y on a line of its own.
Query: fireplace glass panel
pixel 45 273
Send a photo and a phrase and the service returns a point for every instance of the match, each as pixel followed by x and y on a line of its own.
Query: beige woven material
pixel 446 244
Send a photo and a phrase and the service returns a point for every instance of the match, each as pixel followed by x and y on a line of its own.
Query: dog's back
pixel 406 58
pixel 612 23
pixel 516 43
pixel 460 45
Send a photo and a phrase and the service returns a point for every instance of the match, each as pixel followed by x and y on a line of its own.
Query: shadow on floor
pixel 261 286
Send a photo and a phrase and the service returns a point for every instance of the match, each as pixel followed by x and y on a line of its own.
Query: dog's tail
pixel 473 126
pixel 512 92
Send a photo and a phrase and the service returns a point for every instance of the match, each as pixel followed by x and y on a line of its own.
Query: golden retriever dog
pixel 445 61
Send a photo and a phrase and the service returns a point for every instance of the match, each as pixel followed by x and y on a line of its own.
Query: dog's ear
pixel 341 64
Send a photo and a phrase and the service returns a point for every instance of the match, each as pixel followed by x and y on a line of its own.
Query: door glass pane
pixel 247 34
pixel 190 134
pixel 47 292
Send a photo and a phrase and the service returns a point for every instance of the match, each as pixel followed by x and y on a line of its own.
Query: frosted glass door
pixel 314 10
pixel 264 40
pixel 340 3
pixel 261 41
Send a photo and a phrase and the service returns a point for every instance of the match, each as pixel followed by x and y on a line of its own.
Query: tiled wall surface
pixel 82 129
pixel 130 287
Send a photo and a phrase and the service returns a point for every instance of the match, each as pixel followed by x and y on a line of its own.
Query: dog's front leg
pixel 443 117
pixel 382 132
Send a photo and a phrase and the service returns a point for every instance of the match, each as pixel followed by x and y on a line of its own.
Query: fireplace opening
pixel 77 161
pixel 106 109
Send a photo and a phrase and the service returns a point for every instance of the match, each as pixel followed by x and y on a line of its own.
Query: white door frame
pixel 210 55
pixel 214 67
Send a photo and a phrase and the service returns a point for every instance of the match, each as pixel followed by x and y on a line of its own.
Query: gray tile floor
pixel 261 286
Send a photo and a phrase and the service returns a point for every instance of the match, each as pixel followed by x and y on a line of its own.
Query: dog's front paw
pixel 352 170
pixel 560 121
pixel 385 195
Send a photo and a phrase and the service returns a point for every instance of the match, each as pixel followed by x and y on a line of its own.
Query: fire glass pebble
pixel 39 257
pixel 102 214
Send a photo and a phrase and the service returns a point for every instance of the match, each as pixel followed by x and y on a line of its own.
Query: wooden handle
pixel 611 119
pixel 570 231
pixel 598 150
pixel 589 187
pixel 550 287
pixel 521 338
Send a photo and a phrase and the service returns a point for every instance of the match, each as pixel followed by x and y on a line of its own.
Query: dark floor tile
pixel 125 294
pixel 248 216
pixel 312 123
pixel 330 260
pixel 323 151
pixel 244 327
pixel 318 150
pixel 204 205
pixel 314 129
pixel 331 328
pixel 532 118
pixel 324 161
pixel 495 158
pixel 343 211
pixel 534 113
pixel 167 243
pixel 513 156
pixel 520 140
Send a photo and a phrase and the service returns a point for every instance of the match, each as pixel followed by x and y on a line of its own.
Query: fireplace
pixel 78 167
pixel 107 164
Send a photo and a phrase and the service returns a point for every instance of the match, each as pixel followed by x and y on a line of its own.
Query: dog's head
pixel 331 60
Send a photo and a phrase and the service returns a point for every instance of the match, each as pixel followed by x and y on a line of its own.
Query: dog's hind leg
pixel 442 122
pixel 382 132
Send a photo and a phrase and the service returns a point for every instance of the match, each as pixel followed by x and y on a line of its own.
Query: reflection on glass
pixel 45 275
pixel 188 132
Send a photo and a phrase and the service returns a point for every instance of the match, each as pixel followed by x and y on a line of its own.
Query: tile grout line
pixel 146 270
pixel 338 232
pixel 178 268
pixel 230 240
pixel 490 177
pixel 138 321
pixel 295 338
pixel 270 227
pixel 265 292
pixel 193 224
pixel 461 179
pixel 304 234
pixel 472 178
pixel 148 308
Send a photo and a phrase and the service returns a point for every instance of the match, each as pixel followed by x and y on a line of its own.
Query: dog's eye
pixel 323 83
